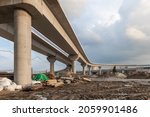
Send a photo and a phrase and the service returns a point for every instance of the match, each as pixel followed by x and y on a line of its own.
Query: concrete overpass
pixel 45 16
pixel 34 24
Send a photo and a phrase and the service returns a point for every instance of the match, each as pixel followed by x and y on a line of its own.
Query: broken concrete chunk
pixel 18 87
pixel 14 84
pixel 121 75
pixel 60 80
pixel 51 82
pixel 1 88
pixel 59 84
pixel 10 88
pixel 87 79
pixel 68 81
pixel 35 82
pixel 5 82
pixel 52 76
pixel 67 78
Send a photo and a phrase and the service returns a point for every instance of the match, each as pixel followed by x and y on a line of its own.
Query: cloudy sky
pixel 110 31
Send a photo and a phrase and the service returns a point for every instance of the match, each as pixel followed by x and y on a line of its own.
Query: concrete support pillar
pixel 126 69
pixel 52 60
pixel 74 67
pixel 69 67
pixel 22 47
pixel 74 58
pixel 84 68
pixel 100 70
pixel 89 67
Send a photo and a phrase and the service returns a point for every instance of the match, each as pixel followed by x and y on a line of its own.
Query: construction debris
pixel 87 79
pixel 5 82
pixel 35 82
pixel 68 81
pixel 1 88
pixel 59 84
pixel 19 87
pixel 8 85
pixel 120 75
pixel 52 76
pixel 67 78
pixel 51 82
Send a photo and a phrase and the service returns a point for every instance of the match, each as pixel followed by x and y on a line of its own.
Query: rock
pixel 121 75
pixel 14 84
pixel 19 87
pixel 5 82
pixel 51 82
pixel 68 81
pixel 52 76
pixel 40 97
pixel 60 80
pixel 10 88
pixel 128 85
pixel 1 88
pixel 67 78
pixel 87 79
pixel 59 84
pixel 35 82
pixel 37 87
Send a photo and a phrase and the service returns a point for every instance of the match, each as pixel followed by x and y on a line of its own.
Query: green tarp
pixel 41 77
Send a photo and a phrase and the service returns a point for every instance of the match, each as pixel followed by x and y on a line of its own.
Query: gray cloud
pixel 110 31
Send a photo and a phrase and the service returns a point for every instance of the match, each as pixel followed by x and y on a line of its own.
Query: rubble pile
pixel 120 75
pixel 8 85
pixel 138 75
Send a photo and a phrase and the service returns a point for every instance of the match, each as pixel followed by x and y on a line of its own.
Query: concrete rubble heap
pixel 7 84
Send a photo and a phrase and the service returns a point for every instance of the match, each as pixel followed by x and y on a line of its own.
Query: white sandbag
pixel 10 88
pixel 1 88
pixel 121 75
pixel 35 82
pixel 5 82
pixel 14 84
pixel 19 87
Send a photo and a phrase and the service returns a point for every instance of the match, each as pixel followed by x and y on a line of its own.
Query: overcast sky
pixel 110 31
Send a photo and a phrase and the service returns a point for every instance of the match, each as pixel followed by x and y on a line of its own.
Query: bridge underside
pixel 46 16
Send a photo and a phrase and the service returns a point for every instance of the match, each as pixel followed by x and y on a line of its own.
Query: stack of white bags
pixel 7 84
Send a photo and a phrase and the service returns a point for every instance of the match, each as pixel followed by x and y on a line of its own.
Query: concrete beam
pixel 7 31
pixel 45 21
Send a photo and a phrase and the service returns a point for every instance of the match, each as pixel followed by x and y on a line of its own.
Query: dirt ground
pixel 98 89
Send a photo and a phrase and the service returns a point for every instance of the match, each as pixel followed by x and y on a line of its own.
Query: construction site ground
pixel 134 87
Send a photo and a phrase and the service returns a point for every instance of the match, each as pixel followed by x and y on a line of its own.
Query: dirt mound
pixel 138 75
